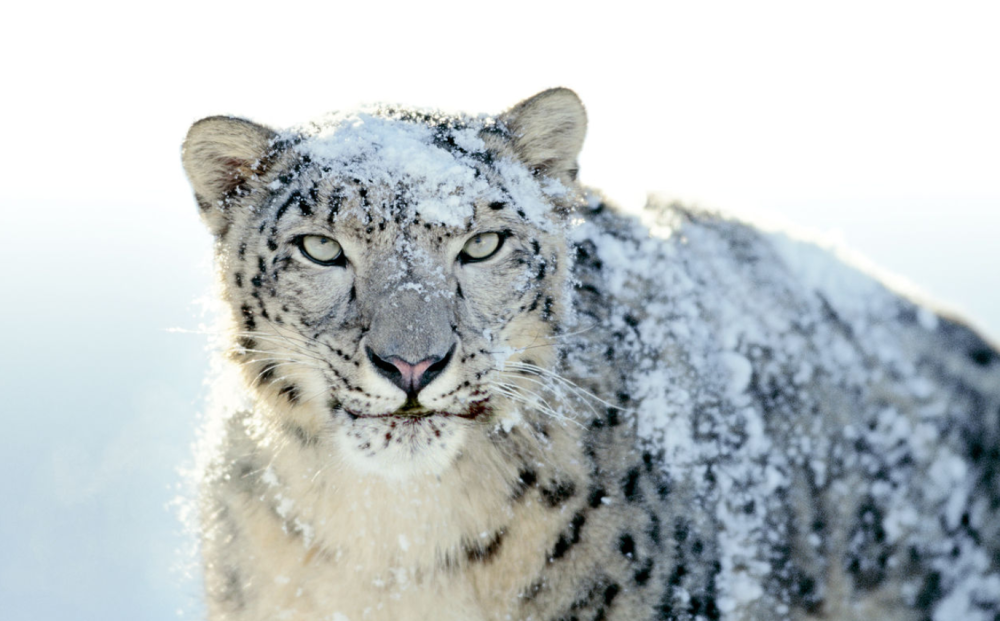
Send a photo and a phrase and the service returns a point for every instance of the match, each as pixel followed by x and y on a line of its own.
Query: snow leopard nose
pixel 410 377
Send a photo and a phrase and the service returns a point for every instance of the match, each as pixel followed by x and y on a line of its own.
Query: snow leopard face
pixel 386 269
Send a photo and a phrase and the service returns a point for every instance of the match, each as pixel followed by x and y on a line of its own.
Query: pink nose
pixel 410 377
pixel 412 373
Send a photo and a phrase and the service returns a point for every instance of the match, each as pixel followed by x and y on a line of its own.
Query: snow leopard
pixel 471 388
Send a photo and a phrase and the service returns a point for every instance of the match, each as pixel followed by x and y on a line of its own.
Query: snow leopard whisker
pixel 557 389
pixel 542 371
pixel 538 403
pixel 275 355
pixel 516 397
pixel 289 344
pixel 256 382
pixel 553 338
pixel 558 394
pixel 281 361
pixel 290 338
pixel 278 337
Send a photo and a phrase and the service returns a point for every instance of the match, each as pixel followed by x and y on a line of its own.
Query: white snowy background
pixel 875 122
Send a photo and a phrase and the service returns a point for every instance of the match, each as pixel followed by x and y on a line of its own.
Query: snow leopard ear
pixel 547 131
pixel 221 155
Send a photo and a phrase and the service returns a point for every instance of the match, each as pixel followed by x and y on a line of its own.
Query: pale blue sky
pixel 876 121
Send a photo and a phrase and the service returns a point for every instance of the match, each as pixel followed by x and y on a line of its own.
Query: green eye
pixel 320 249
pixel 480 247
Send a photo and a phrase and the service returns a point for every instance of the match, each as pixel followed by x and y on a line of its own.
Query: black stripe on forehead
pixel 306 205
pixel 294 199
pixel 335 202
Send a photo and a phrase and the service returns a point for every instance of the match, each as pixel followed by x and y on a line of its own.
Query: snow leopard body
pixel 674 416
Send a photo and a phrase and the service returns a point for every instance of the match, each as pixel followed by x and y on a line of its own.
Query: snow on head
pixel 434 159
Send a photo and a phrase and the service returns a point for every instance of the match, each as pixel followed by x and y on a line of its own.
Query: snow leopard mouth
pixel 411 413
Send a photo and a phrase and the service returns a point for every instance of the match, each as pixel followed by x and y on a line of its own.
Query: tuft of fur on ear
pixel 547 131
pixel 221 154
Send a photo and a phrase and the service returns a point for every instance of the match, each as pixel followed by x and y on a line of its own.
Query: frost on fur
pixel 472 389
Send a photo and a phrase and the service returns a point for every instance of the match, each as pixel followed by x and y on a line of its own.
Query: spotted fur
pixel 533 476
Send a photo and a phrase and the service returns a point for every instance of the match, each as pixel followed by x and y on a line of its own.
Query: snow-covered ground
pixel 877 122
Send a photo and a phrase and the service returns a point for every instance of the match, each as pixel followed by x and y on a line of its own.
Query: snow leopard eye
pixel 320 249
pixel 481 247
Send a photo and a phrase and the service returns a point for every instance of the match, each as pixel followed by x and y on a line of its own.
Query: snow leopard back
pixel 830 446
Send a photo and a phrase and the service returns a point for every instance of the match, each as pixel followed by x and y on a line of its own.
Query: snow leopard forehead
pixel 428 165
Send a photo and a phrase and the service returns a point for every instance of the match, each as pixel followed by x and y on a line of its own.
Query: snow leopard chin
pixel 397 447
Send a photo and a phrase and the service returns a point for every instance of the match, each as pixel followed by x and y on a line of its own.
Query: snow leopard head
pixel 389 270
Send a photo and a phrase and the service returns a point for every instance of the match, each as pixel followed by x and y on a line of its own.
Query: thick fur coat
pixel 474 390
